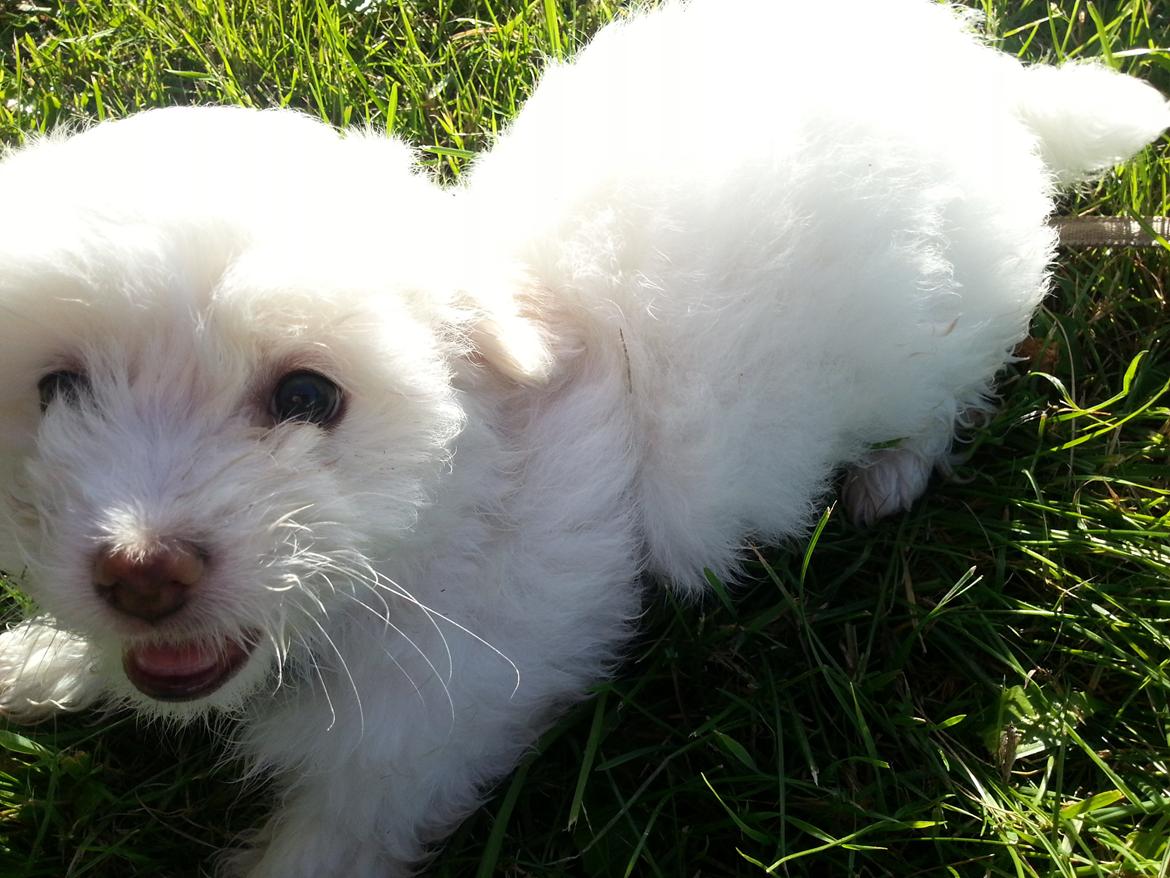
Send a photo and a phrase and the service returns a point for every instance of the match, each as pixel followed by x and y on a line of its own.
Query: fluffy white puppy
pixel 290 433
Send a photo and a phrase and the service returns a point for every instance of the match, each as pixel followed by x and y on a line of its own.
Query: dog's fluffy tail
pixel 1088 117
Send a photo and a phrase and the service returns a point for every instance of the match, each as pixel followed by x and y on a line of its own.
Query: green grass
pixel 979 687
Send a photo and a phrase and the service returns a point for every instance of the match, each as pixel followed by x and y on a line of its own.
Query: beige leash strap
pixel 1111 231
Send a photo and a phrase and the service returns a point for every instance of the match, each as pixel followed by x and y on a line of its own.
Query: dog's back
pixel 852 273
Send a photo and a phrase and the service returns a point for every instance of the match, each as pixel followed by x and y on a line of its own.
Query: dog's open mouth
pixel 185 670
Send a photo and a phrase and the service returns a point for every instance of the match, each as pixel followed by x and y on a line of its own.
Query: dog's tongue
pixel 176 659
pixel 184 670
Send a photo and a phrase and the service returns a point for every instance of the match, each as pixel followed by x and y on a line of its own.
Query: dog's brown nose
pixel 149 585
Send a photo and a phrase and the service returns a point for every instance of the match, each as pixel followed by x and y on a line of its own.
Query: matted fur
pixel 696 278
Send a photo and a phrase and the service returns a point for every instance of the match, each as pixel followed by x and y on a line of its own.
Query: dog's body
pixel 628 341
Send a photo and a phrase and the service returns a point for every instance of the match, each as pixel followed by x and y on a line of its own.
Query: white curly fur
pixel 697 277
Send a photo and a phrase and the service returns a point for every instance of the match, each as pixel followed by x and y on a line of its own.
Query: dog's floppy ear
pixel 507 332
pixel 514 346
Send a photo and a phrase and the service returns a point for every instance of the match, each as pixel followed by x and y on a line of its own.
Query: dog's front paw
pixel 43 671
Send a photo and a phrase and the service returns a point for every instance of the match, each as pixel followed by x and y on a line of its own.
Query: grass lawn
pixel 980 687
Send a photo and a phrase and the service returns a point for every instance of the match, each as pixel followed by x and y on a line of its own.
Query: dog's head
pixel 227 390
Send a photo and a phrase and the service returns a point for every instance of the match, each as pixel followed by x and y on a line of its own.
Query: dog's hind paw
pixel 886 482
pixel 43 671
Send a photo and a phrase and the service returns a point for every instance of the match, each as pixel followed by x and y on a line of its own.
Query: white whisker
pixel 422 654
pixel 398 591
pixel 286 520
pixel 320 676
pixel 369 581
pixel 344 666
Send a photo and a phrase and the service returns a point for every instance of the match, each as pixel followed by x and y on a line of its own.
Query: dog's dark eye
pixel 64 385
pixel 306 396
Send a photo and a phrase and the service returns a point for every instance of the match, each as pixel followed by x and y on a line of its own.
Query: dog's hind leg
pixel 889 480
pixel 44 670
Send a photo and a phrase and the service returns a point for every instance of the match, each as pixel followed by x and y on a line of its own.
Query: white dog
pixel 290 433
